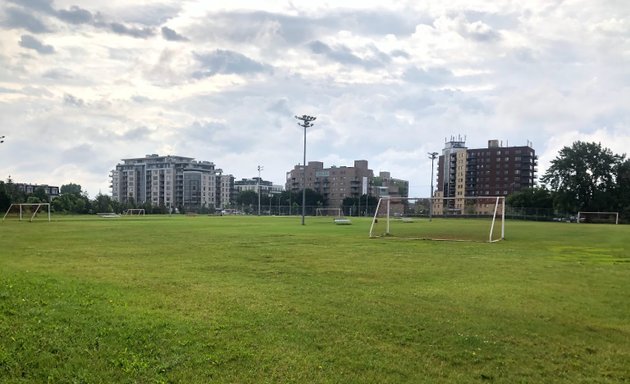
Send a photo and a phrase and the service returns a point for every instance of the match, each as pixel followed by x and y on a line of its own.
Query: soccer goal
pixel 134 211
pixel 598 217
pixel 334 212
pixel 27 210
pixel 479 219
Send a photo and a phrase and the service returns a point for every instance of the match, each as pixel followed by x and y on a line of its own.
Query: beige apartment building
pixel 337 183
pixel 496 170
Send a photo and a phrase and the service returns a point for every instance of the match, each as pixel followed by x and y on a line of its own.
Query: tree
pixel 535 202
pixel 313 199
pixel 102 203
pixel 5 199
pixel 582 177
pixel 73 189
pixel 622 192
pixel 40 194
pixel 72 200
pixel 535 197
pixel 246 200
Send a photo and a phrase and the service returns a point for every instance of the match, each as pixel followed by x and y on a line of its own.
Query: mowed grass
pixel 202 299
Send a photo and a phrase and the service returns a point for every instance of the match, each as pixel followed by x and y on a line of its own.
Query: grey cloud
pixel 377 22
pixel 400 53
pixel 73 101
pixel 44 6
pixel 481 32
pixel 58 74
pixel 280 107
pixel 30 42
pixel 82 154
pixel 139 133
pixel 431 76
pixel 75 15
pixel 8 90
pixel 227 62
pixel 121 29
pixel 171 35
pixel 343 55
pixel 16 18
pixel 140 99
pixel 294 30
pixel 148 14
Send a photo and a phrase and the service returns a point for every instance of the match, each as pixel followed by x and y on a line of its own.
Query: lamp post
pixel 307 122
pixel 260 168
pixel 432 156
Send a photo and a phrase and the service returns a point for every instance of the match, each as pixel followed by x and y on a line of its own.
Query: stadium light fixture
pixel 260 168
pixel 432 156
pixel 307 122
pixel 1 139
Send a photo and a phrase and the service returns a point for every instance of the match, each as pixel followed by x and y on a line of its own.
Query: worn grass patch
pixel 254 300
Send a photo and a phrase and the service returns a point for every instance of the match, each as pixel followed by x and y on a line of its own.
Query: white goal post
pixel 480 218
pixel 28 209
pixel 134 211
pixel 335 212
pixel 598 217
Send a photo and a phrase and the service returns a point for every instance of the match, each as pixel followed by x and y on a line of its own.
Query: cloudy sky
pixel 84 84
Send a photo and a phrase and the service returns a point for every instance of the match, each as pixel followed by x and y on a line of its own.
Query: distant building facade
pixel 51 191
pixel 267 188
pixel 169 181
pixel 337 183
pixel 492 171
pixel 226 191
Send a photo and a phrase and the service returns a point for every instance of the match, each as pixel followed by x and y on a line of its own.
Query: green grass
pixel 266 300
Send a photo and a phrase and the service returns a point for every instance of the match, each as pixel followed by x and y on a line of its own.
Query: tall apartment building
pixel 337 183
pixel 171 181
pixel 492 171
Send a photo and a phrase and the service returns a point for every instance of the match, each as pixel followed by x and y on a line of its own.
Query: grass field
pixel 204 299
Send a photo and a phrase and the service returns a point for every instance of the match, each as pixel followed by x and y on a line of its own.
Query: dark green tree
pixel 72 200
pixel 582 177
pixel 622 192
pixel 5 199
pixel 247 200
pixel 102 203
pixel 313 199
pixel 535 197
pixel 40 194
pixel 73 189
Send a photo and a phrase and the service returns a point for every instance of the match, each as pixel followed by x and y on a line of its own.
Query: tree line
pixel 583 177
pixel 72 199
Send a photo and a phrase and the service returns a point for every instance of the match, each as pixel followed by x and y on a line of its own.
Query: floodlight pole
pixel 260 168
pixel 432 156
pixel 306 123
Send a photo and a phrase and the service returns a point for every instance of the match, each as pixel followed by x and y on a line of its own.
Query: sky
pixel 84 84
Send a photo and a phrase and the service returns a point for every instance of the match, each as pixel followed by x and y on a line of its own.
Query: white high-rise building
pixel 169 181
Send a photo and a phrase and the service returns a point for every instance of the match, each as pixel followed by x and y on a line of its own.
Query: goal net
pixel 598 217
pixel 334 212
pixel 479 219
pixel 28 211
